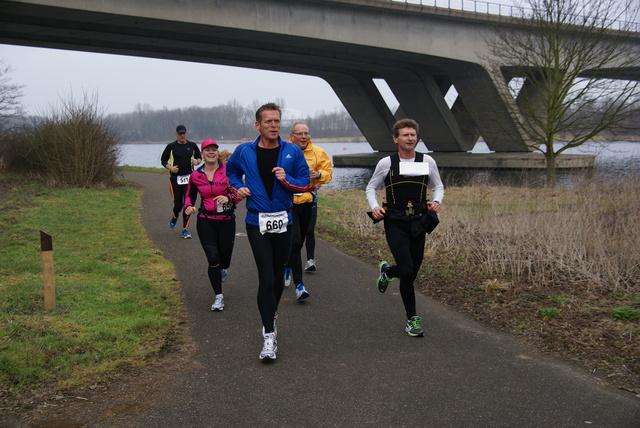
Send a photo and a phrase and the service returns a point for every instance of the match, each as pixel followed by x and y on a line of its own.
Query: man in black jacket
pixel 179 157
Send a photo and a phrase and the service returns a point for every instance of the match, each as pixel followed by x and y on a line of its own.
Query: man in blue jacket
pixel 267 172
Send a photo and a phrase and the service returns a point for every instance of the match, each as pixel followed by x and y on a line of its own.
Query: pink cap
pixel 207 143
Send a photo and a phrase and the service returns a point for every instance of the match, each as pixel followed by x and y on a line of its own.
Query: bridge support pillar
pixel 479 94
pixel 365 104
pixel 422 99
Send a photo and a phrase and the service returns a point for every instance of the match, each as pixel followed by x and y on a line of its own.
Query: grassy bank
pixel 116 302
pixel 558 268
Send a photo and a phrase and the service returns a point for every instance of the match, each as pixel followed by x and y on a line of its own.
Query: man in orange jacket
pixel 320 170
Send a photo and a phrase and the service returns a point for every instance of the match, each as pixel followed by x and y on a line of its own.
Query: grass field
pixel 116 303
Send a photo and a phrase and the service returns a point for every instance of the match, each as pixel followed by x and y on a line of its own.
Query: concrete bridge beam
pixel 467 127
pixel 363 101
pixel 488 109
pixel 421 99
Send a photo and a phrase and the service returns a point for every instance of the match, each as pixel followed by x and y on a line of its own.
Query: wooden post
pixel 46 246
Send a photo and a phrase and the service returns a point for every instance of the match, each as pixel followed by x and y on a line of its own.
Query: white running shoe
pixel 223 275
pixel 218 304
pixel 301 292
pixel 270 347
pixel 311 266
pixel 287 277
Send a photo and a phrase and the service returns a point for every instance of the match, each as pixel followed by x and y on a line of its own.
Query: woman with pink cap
pixel 216 223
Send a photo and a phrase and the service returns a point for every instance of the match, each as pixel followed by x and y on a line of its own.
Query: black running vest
pixel 401 189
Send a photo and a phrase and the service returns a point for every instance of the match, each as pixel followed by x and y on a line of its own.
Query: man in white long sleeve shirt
pixel 408 213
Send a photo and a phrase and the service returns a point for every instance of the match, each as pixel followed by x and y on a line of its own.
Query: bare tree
pixel 572 67
pixel 10 94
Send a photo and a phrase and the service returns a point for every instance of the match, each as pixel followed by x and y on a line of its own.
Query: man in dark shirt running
pixel 179 157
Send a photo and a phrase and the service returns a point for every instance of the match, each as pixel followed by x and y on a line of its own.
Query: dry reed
pixel 585 237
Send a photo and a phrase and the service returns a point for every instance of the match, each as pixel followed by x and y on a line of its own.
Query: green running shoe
pixel 383 280
pixel 413 328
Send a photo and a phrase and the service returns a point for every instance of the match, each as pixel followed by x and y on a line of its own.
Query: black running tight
pixel 270 252
pixel 301 220
pixel 217 238
pixel 178 193
pixel 310 243
pixel 408 252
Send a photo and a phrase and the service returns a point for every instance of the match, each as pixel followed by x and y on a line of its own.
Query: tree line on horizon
pixel 230 121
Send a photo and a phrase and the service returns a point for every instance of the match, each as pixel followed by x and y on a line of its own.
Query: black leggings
pixel 270 252
pixel 301 220
pixel 408 252
pixel 310 243
pixel 217 238
pixel 178 194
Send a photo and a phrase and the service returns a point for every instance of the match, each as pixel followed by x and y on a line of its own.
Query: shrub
pixel 73 146
pixel 11 149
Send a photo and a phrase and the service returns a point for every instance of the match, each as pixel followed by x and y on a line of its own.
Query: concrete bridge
pixel 421 52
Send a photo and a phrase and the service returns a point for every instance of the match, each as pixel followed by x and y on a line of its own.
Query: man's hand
pixel 279 172
pixel 434 206
pixel 244 192
pixel 378 212
pixel 196 161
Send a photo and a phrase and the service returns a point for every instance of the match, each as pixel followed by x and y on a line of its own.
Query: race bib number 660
pixel 273 222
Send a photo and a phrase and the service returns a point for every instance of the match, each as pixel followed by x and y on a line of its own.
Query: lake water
pixel 612 159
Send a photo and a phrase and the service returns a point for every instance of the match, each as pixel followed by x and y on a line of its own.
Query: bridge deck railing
pixel 491 8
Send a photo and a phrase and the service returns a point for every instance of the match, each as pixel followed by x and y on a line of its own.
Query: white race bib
pixel 414 169
pixel 273 222
pixel 183 179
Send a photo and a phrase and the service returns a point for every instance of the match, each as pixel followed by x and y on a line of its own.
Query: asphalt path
pixel 343 357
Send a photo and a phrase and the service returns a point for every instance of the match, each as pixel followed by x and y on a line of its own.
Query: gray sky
pixel 122 82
